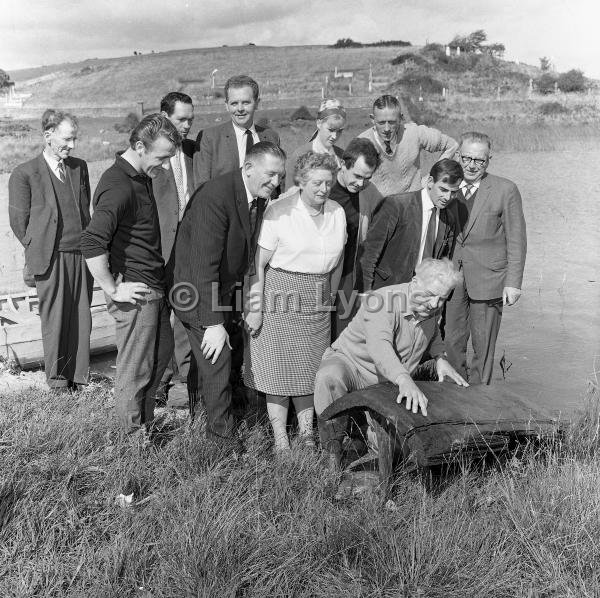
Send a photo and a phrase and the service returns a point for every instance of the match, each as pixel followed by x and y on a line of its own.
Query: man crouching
pixel 386 340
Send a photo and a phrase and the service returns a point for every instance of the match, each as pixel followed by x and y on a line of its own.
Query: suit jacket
pixel 167 201
pixel 391 249
pixel 492 244
pixel 218 151
pixel 214 246
pixel 33 209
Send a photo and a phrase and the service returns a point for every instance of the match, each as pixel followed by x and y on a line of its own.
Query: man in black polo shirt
pixel 122 248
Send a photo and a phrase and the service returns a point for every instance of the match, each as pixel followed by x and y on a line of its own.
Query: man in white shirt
pixel 173 186
pixel 223 148
pixel 49 200
pixel 410 227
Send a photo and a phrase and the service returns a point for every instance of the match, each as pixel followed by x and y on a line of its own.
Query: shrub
pixel 302 113
pixel 346 42
pixel 545 83
pixel 417 59
pixel 414 83
pixel 129 123
pixel 553 109
pixel 572 80
pixel 433 49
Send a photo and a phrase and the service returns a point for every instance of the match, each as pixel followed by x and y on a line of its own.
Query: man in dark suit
pixel 172 187
pixel 214 250
pixel 490 250
pixel 223 148
pixel 410 227
pixel 49 199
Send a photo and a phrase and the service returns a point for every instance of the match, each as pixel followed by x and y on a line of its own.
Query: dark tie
pixel 249 141
pixel 429 247
pixel 388 147
pixel 253 209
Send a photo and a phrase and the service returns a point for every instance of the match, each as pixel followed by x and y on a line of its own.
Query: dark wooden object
pixel 466 422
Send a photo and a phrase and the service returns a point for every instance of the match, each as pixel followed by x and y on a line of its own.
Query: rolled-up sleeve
pixel 110 206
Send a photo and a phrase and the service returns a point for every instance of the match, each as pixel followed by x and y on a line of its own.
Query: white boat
pixel 21 331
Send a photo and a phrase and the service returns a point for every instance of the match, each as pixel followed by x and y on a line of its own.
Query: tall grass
pixel 203 526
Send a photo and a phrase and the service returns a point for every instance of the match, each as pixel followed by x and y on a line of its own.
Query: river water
pixel 552 335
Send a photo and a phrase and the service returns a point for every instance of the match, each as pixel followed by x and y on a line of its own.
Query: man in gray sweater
pixel 385 341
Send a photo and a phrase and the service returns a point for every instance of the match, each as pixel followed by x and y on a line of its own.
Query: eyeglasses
pixel 466 160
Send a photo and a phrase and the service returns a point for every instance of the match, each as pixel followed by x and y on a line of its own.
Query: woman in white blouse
pixel 331 120
pixel 297 268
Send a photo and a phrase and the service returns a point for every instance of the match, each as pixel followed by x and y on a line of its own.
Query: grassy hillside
pixel 282 72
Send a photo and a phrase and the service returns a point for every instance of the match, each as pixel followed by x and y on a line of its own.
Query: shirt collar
pixel 475 185
pixel 427 203
pixel 240 131
pixel 127 168
pixel 249 195
pixel 52 161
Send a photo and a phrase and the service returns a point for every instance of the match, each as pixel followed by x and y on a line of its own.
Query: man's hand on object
pixel 129 292
pixel 510 295
pixel 213 342
pixel 415 399
pixel 443 368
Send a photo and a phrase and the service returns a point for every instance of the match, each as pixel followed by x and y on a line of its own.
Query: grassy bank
pixel 200 526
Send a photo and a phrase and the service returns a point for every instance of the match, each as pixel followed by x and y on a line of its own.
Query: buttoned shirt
pixel 249 195
pixel 427 208
pixel 297 242
pixel 240 136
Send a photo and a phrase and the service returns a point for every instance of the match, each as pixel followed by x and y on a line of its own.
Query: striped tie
pixel 178 175
pixel 61 172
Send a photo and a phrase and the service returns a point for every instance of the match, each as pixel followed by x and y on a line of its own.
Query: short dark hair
pixel 261 149
pixel 238 81
pixel 52 118
pixel 360 146
pixel 151 127
pixel 387 101
pixel 167 104
pixel 447 170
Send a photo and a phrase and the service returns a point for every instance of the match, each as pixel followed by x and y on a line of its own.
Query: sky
pixel 43 32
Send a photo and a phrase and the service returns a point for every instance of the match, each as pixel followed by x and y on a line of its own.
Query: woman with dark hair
pixel 297 269
pixel 331 120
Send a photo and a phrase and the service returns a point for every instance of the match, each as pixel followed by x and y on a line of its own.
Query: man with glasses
pixel 490 251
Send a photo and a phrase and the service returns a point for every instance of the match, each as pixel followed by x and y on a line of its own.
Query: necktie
pixel 253 209
pixel 61 172
pixel 388 147
pixel 429 247
pixel 468 192
pixel 249 141
pixel 178 176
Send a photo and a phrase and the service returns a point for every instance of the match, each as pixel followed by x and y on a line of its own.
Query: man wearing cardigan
pixel 214 250
pixel 385 341
pixel 49 199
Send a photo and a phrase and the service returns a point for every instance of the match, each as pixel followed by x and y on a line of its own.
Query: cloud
pixel 35 32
